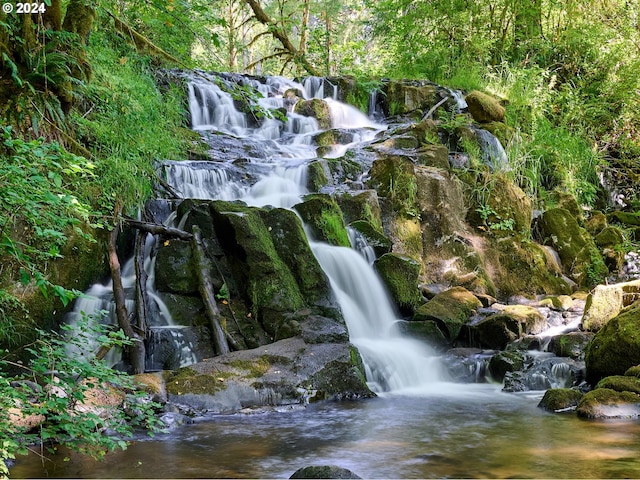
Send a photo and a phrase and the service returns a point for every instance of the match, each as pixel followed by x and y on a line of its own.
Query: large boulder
pixel 512 323
pixel 287 372
pixel 394 178
pixel 607 301
pixel 450 310
pixel 560 399
pixel 607 403
pixel 615 347
pixel 580 257
pixel 323 216
pixel 316 108
pixel 361 205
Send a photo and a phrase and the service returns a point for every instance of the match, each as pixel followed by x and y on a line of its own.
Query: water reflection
pixel 484 434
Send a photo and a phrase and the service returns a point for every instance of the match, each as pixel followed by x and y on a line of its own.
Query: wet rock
pixel 466 365
pixel 607 403
pixel 616 347
pixel 376 240
pixel 426 331
pixel 361 206
pixel 512 323
pixel 400 275
pixel 323 216
pixel 153 384
pixel 621 383
pixel 560 400
pixel 406 96
pixel 570 345
pixel 484 108
pixel 316 108
pixel 393 177
pixel 542 372
pixel 450 310
pixel 323 471
pixel 504 362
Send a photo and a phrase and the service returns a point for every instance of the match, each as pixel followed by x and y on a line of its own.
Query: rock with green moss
pixel 615 347
pixel 609 237
pixel 400 275
pixel 629 219
pixel 560 399
pixel 394 179
pixel 376 240
pixel 567 201
pixel 433 156
pixel 578 252
pixel 572 344
pixel 484 108
pixel 405 96
pixel 596 223
pixel 323 216
pixel 450 310
pixel 500 130
pixel 621 383
pixel 605 302
pixel 607 403
pixel 318 175
pixel 286 372
pixel 323 471
pixel 316 108
pixel 361 205
pixel 504 362
pixel 334 136
pixel 174 268
pixel 512 323
pixel 633 371
pixel 426 331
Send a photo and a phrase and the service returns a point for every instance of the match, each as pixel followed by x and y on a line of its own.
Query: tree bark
pixel 206 290
pixel 79 19
pixel 278 33
pixel 142 298
pixel 137 350
pixel 157 229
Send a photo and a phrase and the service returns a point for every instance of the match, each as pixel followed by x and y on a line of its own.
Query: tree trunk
pixel 137 350
pixel 206 290
pixel 528 21
pixel 79 19
pixel 142 298
pixel 52 17
pixel 278 33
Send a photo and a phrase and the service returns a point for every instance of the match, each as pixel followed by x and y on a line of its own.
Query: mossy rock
pixel 441 203
pixel 572 344
pixel 630 219
pixel 376 240
pixel 607 403
pixel 450 309
pixel 605 302
pixel 560 399
pixel 615 348
pixel 185 310
pixel 596 223
pixel 484 108
pixel 316 108
pixel 561 303
pixel 621 383
pixel 426 331
pixel 361 205
pixel 500 329
pixel 174 268
pixel 187 381
pixel 334 136
pixel 504 362
pixel 264 279
pixel 290 241
pixel 318 175
pixel 404 97
pixel 500 130
pixel 433 156
pixel 323 471
pixel 393 177
pixel 323 216
pixel 609 237
pixel 567 201
pixel 400 275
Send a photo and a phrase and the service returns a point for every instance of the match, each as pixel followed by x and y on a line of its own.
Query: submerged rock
pixel 323 471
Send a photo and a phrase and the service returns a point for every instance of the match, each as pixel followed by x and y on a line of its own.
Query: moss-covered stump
pixel 504 362
pixel 316 108
pixel 621 383
pixel 484 108
pixel 286 372
pixel 323 216
pixel 361 205
pixel 560 399
pixel 571 344
pixel 323 471
pixel 405 96
pixel 576 248
pixel 400 275
pixel 450 310
pixel 376 240
pixel 393 177
pixel 607 403
pixel 615 348
pixel 497 330
pixel 605 302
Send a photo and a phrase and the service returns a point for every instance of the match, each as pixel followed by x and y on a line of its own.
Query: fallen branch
pixel 206 291
pixel 157 229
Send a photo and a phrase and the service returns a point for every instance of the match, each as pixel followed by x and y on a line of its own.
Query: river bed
pixel 462 431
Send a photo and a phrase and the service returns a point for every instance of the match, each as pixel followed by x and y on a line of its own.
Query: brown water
pixel 474 432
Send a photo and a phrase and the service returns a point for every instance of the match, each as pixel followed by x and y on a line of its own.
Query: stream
pixel 472 431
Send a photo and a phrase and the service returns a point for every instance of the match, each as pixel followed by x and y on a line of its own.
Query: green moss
pixel 560 399
pixel 484 108
pixel 620 383
pixel 322 214
pixel 609 236
pixel 317 109
pixel 318 175
pixel 394 178
pixel 255 368
pixel 626 218
pixel 615 348
pixel 596 223
pixel 504 362
pixel 633 371
pixel 594 403
pixel 361 206
pixel 379 242
pixel 185 380
pixel 400 275
pixel 450 309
